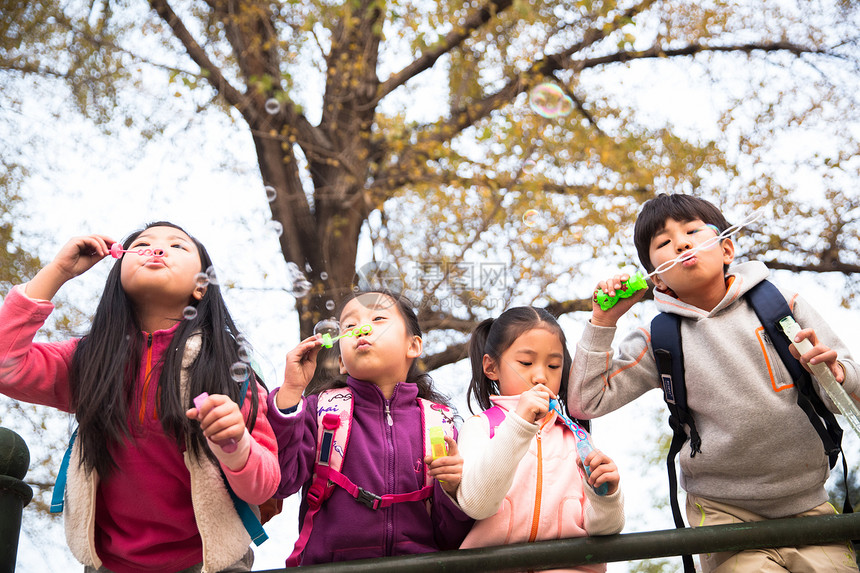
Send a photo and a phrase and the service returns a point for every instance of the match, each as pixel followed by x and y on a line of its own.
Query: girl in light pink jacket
pixel 522 478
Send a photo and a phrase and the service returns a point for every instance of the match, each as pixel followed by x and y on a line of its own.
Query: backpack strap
pixel 334 413
pixel 666 344
pixel 57 501
pixel 770 306
pixel 495 416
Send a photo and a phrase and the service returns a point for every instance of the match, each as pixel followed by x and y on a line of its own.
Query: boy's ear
pixel 416 345
pixel 728 247
pixel 491 369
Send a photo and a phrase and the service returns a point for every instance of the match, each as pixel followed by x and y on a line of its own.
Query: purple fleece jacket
pixel 382 459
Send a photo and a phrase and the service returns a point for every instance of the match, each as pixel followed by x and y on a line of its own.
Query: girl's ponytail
pixel 480 387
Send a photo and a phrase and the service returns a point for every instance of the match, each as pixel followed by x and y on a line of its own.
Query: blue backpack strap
pixel 770 307
pixel 246 514
pixel 57 501
pixel 666 344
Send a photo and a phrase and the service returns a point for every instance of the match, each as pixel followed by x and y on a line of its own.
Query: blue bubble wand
pixel 583 443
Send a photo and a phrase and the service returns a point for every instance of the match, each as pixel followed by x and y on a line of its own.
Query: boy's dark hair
pixel 682 208
pixel 105 368
pixel 416 374
pixel 493 336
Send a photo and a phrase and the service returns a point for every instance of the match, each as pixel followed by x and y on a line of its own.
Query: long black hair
pixel 493 336
pixel 106 366
pixel 416 374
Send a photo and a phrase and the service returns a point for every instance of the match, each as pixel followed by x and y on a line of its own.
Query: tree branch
pixel 212 72
pixel 453 353
pixel 693 49
pixel 454 38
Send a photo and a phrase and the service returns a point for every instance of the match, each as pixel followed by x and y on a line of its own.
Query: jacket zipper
pixel 538 489
pixel 146 375
pixel 389 519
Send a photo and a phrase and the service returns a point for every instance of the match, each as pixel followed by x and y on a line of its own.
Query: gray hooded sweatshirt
pixel 759 451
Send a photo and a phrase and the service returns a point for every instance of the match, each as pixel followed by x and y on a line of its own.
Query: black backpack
pixel 770 307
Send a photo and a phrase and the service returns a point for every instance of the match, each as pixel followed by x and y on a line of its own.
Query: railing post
pixel 14 495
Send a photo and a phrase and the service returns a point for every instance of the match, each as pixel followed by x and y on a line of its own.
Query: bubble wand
pixel 824 375
pixel 583 444
pixel 329 332
pixel 638 280
pixel 116 251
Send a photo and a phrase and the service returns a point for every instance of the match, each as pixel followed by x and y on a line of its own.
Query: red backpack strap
pixel 495 416
pixel 334 414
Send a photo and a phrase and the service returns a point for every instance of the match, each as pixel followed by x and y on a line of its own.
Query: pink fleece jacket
pixel 153 513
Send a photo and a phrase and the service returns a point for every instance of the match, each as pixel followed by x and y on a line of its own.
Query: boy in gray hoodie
pixel 760 457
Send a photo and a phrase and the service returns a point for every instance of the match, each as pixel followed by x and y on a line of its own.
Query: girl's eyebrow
pixel 531 352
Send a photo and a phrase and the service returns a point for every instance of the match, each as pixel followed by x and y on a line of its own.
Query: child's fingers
pixel 451 444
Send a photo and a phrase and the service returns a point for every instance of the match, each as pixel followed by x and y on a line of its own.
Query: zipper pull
pixel 388 415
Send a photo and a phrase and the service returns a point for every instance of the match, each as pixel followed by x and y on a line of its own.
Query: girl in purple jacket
pixel 386 447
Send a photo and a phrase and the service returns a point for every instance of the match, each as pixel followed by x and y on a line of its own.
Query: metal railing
pixel 566 553
pixel 562 553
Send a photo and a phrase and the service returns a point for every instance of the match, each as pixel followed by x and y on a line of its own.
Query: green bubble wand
pixel 638 280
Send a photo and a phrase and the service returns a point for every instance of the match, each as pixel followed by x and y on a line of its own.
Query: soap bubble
pixel 241 339
pixel 239 371
pixel 272 106
pixel 271 193
pixel 245 353
pixel 324 275
pixel 276 227
pixel 529 166
pixel 297 284
pixel 329 304
pixel 530 218
pixel 328 326
pixel 549 101
pixel 381 275
pixel 189 313
pixel 201 280
pixel 212 276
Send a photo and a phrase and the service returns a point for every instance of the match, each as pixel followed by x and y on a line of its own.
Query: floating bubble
pixel 201 280
pixel 549 101
pixel 308 267
pixel 212 276
pixel 329 326
pixel 300 287
pixel 379 275
pixel 276 227
pixel 189 313
pixel 241 339
pixel 324 275
pixel 530 218
pixel 239 371
pixel 273 106
pixel 271 193
pixel 329 305
pixel 245 353
pixel 529 166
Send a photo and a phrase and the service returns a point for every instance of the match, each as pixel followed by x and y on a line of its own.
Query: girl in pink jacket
pixel 146 488
pixel 521 476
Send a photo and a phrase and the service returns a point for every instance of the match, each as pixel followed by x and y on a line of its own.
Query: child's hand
pixel 447 469
pixel 220 418
pixel 819 353
pixel 600 317
pixel 533 404
pixel 76 257
pixel 301 363
pixel 603 470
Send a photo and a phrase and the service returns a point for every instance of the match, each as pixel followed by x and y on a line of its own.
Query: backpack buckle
pixel 368 499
